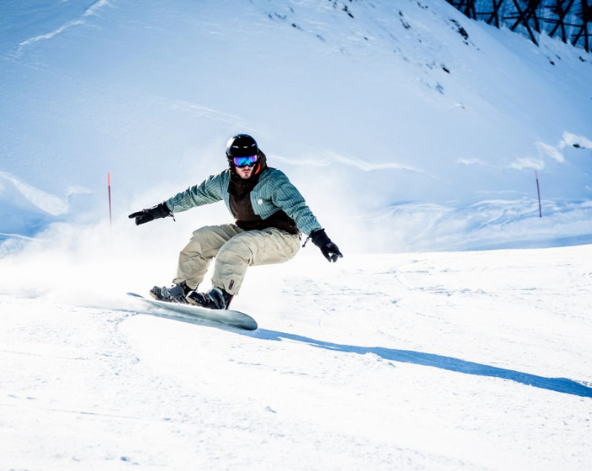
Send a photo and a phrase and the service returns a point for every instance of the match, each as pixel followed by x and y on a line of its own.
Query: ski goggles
pixel 245 161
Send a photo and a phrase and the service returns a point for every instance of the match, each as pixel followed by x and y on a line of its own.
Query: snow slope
pixel 409 102
pixel 440 361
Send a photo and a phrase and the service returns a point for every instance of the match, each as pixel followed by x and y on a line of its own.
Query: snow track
pixel 420 361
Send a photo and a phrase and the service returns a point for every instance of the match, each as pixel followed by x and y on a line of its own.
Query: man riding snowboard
pixel 270 214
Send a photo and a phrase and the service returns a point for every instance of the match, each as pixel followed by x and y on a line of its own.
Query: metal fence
pixel 570 20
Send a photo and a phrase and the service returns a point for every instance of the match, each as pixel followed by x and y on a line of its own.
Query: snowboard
pixel 196 314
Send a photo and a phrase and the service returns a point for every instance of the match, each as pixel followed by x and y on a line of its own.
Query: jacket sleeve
pixel 209 191
pixel 287 197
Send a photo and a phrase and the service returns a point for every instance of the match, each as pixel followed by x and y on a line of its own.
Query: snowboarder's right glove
pixel 155 212
pixel 329 249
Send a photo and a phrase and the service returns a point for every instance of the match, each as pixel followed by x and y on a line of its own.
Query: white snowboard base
pixel 190 313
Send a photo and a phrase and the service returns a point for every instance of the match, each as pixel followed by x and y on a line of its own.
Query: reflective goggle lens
pixel 245 161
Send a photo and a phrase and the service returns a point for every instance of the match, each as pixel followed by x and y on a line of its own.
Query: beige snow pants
pixel 235 250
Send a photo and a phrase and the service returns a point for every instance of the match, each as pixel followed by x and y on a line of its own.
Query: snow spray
pixel 536 176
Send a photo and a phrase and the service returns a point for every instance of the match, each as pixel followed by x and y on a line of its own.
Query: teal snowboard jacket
pixel 274 192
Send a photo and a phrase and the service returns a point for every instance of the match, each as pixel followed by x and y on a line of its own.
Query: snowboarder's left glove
pixel 155 212
pixel 329 249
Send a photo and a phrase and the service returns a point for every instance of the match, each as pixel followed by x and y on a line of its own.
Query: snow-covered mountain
pixel 408 128
pixel 404 122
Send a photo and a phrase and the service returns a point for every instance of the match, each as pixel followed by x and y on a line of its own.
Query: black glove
pixel 329 249
pixel 155 212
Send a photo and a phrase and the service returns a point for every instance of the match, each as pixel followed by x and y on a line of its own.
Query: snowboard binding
pixel 173 294
pixel 216 298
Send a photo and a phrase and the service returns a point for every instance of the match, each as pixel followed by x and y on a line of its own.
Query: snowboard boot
pixel 216 298
pixel 173 294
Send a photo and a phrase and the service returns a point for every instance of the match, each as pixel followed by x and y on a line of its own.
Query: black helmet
pixel 241 145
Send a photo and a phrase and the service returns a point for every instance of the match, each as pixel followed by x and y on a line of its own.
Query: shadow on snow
pixel 562 385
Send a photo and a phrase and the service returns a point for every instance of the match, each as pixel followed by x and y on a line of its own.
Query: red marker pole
pixel 109 189
pixel 536 175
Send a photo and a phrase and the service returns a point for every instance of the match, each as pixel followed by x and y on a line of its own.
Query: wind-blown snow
pixel 49 203
pixel 92 10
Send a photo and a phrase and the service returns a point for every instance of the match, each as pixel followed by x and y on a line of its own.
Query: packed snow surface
pixel 471 360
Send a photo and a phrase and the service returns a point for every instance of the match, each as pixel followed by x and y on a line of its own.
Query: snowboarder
pixel 270 215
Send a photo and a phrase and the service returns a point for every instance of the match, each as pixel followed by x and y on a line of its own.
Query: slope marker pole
pixel 536 175
pixel 109 190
